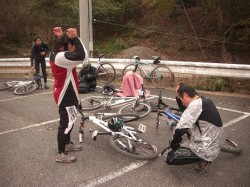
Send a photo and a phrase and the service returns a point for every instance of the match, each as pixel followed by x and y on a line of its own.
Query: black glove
pixel 81 79
pixel 174 145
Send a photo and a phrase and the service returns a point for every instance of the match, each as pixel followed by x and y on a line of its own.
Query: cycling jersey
pixel 63 65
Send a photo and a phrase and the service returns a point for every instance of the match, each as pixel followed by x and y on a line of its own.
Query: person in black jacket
pixel 38 53
pixel 87 77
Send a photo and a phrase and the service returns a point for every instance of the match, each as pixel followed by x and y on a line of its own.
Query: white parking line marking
pixel 29 126
pixel 14 98
pixel 233 121
pixel 113 175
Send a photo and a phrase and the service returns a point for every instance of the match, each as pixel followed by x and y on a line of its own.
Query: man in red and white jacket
pixel 68 52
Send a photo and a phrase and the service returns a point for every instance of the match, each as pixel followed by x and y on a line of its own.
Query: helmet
pixel 115 124
pixel 86 65
pixel 108 90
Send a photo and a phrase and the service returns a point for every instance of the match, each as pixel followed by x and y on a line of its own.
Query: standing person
pixel 202 123
pixel 68 52
pixel 38 53
pixel 87 77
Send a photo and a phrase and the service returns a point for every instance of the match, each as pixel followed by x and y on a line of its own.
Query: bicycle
pixel 123 138
pixel 136 105
pixel 106 71
pixel 173 118
pixel 22 87
pixel 159 74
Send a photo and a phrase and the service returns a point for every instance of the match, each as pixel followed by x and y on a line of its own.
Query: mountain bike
pixel 106 71
pixel 135 105
pixel 159 74
pixel 123 138
pixel 22 87
pixel 174 117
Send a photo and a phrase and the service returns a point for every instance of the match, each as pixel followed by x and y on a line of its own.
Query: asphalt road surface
pixel 28 130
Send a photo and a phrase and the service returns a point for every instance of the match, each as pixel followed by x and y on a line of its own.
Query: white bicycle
pixel 22 87
pixel 123 138
pixel 135 105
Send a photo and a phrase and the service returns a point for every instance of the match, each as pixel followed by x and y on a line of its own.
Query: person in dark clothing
pixel 68 52
pixel 202 124
pixel 38 53
pixel 87 77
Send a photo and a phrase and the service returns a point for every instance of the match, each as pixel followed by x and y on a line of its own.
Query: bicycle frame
pixel 109 103
pixel 147 72
pixel 16 84
pixel 104 125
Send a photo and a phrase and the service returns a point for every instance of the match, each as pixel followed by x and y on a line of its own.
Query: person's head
pixel 86 65
pixel 64 44
pixel 186 93
pixel 37 40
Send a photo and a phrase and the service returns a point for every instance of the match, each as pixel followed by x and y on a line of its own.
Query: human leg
pixel 67 119
pixel 43 65
pixel 184 155
pixel 180 156
pixel 37 66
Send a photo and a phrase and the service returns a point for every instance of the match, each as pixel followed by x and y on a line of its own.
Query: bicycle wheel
pixel 22 90
pixel 106 73
pixel 125 117
pixel 141 109
pixel 92 103
pixel 231 147
pixel 131 67
pixel 161 76
pixel 137 149
pixel 4 86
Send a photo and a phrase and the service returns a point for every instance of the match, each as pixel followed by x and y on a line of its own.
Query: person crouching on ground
pixel 202 124
pixel 87 77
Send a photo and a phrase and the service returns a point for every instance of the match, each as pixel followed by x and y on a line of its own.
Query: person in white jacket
pixel 202 123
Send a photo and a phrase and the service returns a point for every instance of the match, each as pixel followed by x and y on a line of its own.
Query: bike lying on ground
pixel 22 87
pixel 106 71
pixel 123 138
pixel 159 74
pixel 135 105
pixel 173 118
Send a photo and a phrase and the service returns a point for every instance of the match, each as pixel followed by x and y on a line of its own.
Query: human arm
pixel 80 52
pixel 186 123
pixel 32 57
pixel 177 138
pixel 93 74
pixel 81 75
pixel 45 50
pixel 180 104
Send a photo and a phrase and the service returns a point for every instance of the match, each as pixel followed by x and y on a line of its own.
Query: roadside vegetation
pixel 188 30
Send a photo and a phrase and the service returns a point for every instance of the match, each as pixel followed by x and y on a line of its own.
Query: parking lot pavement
pixel 28 127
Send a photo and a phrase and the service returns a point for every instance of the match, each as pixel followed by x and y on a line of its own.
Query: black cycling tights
pixel 43 66
pixel 62 137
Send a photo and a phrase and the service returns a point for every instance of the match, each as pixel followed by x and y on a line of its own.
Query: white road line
pixel 29 126
pixel 231 110
pixel 114 174
pixel 233 121
pixel 14 98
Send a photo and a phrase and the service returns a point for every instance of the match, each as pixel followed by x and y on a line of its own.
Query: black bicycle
pixel 106 71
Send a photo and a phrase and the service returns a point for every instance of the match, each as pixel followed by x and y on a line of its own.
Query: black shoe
pixel 202 166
